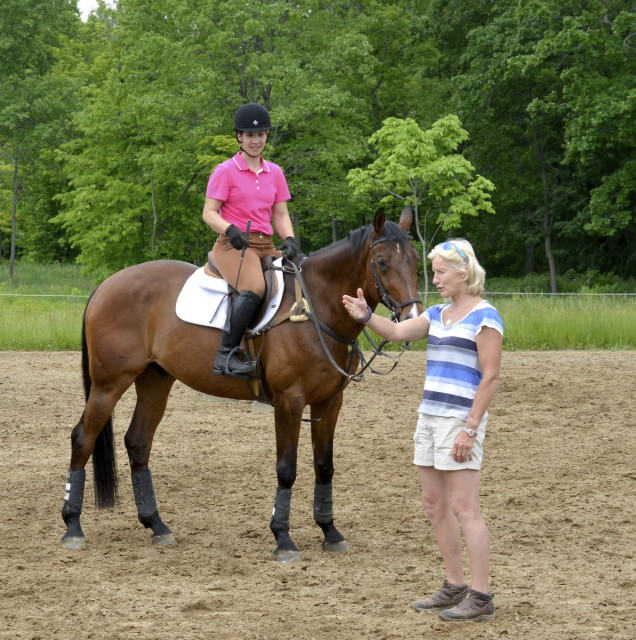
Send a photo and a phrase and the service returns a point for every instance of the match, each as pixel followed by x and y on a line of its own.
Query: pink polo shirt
pixel 246 194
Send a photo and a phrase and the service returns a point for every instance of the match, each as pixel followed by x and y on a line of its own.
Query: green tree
pixel 546 90
pixel 139 166
pixel 597 50
pixel 79 67
pixel 426 171
pixel 33 101
pixel 134 167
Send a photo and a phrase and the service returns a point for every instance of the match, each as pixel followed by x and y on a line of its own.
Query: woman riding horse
pixel 245 195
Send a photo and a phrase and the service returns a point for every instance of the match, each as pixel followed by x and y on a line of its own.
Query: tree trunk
pixel 154 213
pixel 550 256
pixel 530 266
pixel 547 222
pixel 14 217
pixel 422 236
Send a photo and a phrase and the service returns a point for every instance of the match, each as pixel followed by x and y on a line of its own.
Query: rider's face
pixel 253 142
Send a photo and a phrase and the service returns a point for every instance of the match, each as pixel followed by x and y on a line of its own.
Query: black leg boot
pixel 227 362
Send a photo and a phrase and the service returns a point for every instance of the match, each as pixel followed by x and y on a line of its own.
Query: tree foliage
pixel 425 170
pixel 34 98
pixel 109 129
pixel 538 84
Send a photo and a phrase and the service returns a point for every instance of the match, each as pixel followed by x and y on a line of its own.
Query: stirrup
pixel 227 371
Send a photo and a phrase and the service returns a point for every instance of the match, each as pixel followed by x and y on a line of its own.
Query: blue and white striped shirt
pixel 452 365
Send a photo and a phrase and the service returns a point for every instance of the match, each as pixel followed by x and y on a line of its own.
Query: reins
pixel 304 303
pixel 322 328
pixel 390 303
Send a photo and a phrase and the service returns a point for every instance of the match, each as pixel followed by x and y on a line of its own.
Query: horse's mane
pixel 357 238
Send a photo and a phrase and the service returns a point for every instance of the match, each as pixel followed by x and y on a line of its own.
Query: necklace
pixel 448 314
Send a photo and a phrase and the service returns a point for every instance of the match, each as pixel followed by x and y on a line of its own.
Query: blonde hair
pixel 459 253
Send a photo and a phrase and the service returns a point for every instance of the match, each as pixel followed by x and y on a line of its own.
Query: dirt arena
pixel 559 493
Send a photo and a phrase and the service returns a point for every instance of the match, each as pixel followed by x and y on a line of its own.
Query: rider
pixel 246 189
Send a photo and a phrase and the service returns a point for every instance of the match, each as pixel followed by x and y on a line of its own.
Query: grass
pixel 50 279
pixel 41 308
pixel 543 322
pixel 568 322
pixel 41 324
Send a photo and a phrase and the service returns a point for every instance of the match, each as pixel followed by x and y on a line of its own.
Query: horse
pixel 131 335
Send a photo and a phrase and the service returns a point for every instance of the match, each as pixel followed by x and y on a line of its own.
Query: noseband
pixel 387 300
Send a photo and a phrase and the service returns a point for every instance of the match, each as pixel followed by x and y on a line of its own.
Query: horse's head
pixel 393 264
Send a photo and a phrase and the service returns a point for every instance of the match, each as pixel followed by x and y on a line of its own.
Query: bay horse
pixel 132 335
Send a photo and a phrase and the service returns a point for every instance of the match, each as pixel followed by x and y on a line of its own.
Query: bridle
pixel 353 346
pixel 390 303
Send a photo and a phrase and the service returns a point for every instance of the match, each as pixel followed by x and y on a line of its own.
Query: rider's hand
pixel 237 238
pixel 290 247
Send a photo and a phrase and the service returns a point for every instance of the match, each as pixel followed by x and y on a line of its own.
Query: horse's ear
pixel 406 218
pixel 378 221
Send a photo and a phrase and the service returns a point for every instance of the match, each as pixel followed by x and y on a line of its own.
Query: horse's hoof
pixel 73 542
pixel 287 555
pixel 164 539
pixel 335 547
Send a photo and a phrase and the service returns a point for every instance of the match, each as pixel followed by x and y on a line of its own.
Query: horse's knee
pixel 324 470
pixel 82 446
pixel 77 435
pixel 286 474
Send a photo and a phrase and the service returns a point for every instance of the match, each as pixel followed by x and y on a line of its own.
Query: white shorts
pixel 434 439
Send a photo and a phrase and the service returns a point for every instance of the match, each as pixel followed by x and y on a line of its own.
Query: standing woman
pixel 462 372
pixel 243 189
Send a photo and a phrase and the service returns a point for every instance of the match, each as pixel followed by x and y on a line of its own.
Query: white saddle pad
pixel 203 300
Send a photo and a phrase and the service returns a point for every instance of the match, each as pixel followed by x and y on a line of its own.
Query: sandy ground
pixel 559 493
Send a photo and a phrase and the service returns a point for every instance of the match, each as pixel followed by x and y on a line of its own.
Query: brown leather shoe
pixel 448 596
pixel 478 607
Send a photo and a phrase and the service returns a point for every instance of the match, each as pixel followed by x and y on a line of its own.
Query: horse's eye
pixel 382 263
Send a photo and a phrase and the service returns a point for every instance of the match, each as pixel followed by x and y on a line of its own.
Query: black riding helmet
pixel 252 117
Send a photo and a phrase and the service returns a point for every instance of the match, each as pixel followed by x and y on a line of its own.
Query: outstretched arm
pixel 411 329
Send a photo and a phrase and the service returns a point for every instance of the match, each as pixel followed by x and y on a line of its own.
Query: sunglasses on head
pixel 451 245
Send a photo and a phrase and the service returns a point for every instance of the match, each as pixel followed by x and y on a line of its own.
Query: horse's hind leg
pixel 322 434
pixel 91 435
pixel 153 387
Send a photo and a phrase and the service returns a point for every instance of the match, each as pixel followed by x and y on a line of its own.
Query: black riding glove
pixel 290 247
pixel 237 238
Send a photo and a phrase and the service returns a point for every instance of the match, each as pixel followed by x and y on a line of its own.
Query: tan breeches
pixel 228 262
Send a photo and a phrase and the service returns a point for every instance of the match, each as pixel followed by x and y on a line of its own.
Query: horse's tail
pixel 104 462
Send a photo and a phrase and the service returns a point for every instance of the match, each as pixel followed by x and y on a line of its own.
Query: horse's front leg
pixel 152 388
pixel 287 416
pixel 325 417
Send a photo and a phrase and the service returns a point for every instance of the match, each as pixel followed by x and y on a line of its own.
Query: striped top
pixel 452 366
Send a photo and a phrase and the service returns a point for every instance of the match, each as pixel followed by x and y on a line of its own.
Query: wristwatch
pixel 470 432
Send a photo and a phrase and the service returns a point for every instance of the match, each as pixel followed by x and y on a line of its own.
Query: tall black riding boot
pixel 227 362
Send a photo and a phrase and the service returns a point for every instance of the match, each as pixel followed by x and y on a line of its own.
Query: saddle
pixel 204 300
pixel 271 283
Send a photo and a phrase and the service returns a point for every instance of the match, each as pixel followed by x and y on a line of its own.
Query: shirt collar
pixel 242 165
